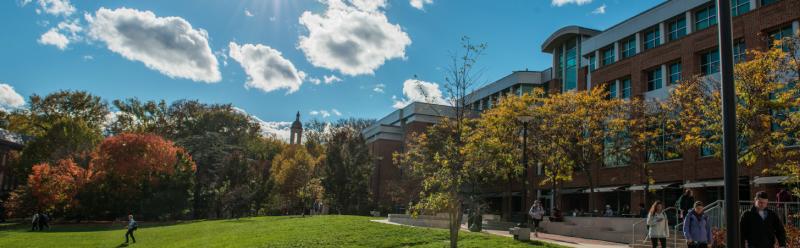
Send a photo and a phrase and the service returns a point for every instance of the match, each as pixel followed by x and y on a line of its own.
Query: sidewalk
pixel 544 237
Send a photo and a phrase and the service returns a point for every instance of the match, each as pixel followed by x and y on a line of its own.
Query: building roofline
pixel 563 33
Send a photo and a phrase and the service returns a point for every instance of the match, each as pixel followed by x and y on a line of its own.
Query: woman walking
pixel 657 223
pixel 697 228
pixel 537 214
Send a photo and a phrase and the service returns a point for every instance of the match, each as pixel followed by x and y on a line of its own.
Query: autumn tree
pixel 438 156
pixel 140 173
pixel 347 168
pixel 294 180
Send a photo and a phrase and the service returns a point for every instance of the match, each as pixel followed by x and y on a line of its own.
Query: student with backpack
pixel 132 226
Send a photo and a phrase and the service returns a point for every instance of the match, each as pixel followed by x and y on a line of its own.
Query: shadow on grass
pixel 122 245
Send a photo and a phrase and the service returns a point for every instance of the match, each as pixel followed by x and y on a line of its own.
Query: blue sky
pixel 271 57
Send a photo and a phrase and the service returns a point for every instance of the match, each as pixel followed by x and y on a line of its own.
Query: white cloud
pixel 331 79
pixel 379 88
pixel 599 10
pixel 54 38
pixel 166 44
pixel 278 129
pixel 88 57
pixel 336 112
pixel 266 68
pixel 248 13
pixel 314 80
pixel 54 7
pixel 9 98
pixel 420 4
pixel 560 3
pixel 353 37
pixel 419 91
pixel 322 113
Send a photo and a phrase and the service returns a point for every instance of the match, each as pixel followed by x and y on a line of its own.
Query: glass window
pixel 664 146
pixel 612 90
pixel 767 2
pixel 628 47
pixel 739 7
pixel 709 62
pixel 570 66
pixel 616 150
pixel 652 38
pixel 654 79
pixel 626 88
pixel 592 62
pixel 608 56
pixel 674 73
pixel 677 28
pixel 778 34
pixel 739 49
pixel 705 17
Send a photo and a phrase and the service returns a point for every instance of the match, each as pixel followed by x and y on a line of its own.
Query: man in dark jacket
pixel 685 203
pixel 761 226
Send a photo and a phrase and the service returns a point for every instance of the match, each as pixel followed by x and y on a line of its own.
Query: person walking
pixel 43 221
pixel 684 204
pixel 132 226
pixel 537 214
pixel 35 221
pixel 761 226
pixel 658 229
pixel 697 228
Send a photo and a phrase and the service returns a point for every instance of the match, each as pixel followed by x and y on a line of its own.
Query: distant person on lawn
pixel 44 220
pixel 537 214
pixel 132 226
pixel 35 221
pixel 761 226
pixel 697 228
pixel 658 229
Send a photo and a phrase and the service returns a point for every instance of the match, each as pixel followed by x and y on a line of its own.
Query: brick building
pixel 643 56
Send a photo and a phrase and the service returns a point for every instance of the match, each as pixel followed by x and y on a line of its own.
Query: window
pixel 570 65
pixel 779 34
pixel 767 2
pixel 628 47
pixel 654 79
pixel 652 38
pixel 560 63
pixel 739 54
pixel 705 17
pixel 674 73
pixel 707 149
pixel 677 28
pixel 709 62
pixel 739 7
pixel 615 150
pixel 612 90
pixel 626 88
pixel 664 146
pixel 608 56
pixel 592 62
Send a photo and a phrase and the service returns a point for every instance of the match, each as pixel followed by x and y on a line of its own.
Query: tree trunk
pixel 455 224
pixel 591 187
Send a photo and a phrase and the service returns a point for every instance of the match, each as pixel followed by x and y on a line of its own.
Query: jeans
pixel 130 232
pixel 655 242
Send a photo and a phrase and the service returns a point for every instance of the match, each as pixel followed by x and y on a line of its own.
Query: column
pixel 638 40
pixel 753 4
pixel 616 51
pixel 663 31
pixel 664 75
pixel 597 59
pixel 689 22
pixel 555 64
pixel 619 88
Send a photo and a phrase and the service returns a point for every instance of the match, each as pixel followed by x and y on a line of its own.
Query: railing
pixel 633 231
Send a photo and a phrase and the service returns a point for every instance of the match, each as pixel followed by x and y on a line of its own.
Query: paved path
pixel 545 237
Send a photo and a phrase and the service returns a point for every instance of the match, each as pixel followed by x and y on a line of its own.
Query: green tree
pixel 347 167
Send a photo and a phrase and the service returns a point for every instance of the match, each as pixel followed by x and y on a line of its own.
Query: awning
pixel 570 191
pixel 657 186
pixel 703 184
pixel 770 180
pixel 605 189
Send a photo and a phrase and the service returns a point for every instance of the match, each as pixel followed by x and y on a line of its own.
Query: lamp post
pixel 525 119
pixel 728 123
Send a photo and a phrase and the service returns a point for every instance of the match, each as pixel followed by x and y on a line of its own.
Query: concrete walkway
pixel 544 237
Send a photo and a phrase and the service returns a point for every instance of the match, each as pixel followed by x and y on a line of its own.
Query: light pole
pixel 728 123
pixel 525 119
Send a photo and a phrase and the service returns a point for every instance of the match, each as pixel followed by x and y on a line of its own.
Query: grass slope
pixel 319 231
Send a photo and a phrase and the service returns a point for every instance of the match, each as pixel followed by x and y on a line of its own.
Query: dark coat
pixel 760 232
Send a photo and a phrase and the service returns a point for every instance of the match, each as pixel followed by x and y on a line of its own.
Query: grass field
pixel 319 231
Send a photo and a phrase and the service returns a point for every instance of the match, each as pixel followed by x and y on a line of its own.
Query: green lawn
pixel 319 231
